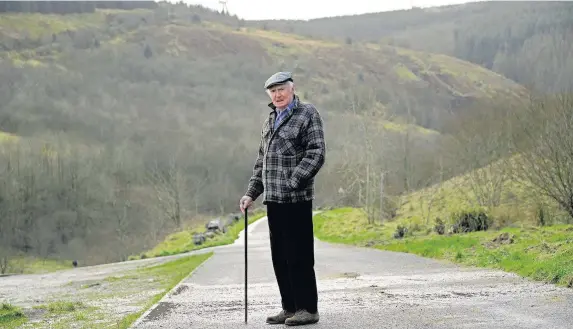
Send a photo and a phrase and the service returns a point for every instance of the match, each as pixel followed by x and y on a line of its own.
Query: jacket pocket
pixel 287 141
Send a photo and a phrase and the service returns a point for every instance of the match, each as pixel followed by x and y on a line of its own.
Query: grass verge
pixel 539 253
pixel 112 302
pixel 11 316
pixel 170 274
pixel 181 242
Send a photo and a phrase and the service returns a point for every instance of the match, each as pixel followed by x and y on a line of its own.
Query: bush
pixel 401 232
pixel 471 221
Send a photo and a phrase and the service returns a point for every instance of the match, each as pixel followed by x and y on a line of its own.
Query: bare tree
pixel 545 147
pixel 366 189
pixel 370 170
pixel 170 185
pixel 482 142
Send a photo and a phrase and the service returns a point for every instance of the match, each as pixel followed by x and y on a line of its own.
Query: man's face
pixel 281 95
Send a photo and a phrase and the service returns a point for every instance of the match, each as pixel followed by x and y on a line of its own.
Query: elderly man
pixel 291 152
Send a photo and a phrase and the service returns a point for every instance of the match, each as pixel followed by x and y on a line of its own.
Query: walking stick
pixel 246 264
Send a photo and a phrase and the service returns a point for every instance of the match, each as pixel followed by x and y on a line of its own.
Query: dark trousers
pixel 292 251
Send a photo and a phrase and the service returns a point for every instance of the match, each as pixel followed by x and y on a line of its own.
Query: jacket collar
pixel 295 102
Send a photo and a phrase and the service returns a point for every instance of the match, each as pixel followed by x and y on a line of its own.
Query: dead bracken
pixel 502 239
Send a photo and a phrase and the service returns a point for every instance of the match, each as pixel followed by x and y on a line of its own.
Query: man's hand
pixel 245 203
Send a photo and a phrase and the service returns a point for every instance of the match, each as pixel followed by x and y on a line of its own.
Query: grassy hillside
pixel 528 41
pixel 132 123
pixel 526 233
pixel 323 67
pixel 182 241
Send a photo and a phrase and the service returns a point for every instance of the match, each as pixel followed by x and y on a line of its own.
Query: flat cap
pixel 278 78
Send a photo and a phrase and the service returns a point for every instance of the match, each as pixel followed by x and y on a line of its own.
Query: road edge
pixel 238 241
pixel 167 294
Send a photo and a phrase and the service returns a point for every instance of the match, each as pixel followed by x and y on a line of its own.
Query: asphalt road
pixel 361 288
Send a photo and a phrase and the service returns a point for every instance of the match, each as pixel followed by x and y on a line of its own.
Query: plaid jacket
pixel 289 157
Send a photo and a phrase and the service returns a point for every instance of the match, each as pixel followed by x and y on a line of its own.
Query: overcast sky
pixel 306 9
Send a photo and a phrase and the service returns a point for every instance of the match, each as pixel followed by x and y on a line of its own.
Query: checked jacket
pixel 289 156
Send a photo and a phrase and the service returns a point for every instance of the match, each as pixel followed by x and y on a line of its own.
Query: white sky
pixel 307 9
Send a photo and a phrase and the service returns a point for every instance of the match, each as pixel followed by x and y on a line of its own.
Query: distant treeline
pixel 69 7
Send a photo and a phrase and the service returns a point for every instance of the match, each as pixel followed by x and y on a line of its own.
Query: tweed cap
pixel 278 78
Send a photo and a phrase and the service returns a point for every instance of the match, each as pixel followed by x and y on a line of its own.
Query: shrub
pixel 401 232
pixel 470 221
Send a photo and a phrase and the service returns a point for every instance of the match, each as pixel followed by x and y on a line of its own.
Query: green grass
pixel 544 254
pixel 59 307
pixel 11 316
pixel 59 313
pixel 172 272
pixel 347 225
pixel 539 253
pixel 181 242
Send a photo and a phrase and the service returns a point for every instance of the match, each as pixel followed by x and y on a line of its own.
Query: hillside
pixel 134 122
pixel 527 41
pixel 485 218
pixel 513 213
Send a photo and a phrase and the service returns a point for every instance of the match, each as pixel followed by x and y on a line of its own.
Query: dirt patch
pixel 502 239
pixel 373 243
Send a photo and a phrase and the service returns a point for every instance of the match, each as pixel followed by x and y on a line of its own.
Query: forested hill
pixel 69 7
pixel 530 42
pixel 118 126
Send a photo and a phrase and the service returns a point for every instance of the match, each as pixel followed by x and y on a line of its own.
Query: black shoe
pixel 279 318
pixel 302 317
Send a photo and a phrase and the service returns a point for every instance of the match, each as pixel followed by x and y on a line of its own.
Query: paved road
pixel 361 288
